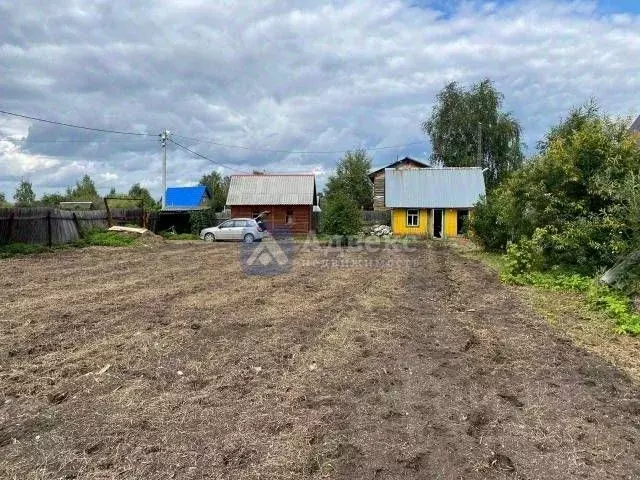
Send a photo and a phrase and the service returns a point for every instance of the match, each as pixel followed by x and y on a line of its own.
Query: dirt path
pixel 402 371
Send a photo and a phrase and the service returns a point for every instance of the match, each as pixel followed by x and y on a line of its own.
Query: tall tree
pixel 84 191
pixel 352 179
pixel 137 191
pixel 24 196
pixel 218 187
pixel 3 200
pixel 468 128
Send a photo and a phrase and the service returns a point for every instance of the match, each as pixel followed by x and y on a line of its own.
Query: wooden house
pixel 377 178
pixel 289 199
pixel 433 202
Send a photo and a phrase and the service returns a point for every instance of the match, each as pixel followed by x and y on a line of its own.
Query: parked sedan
pixel 241 229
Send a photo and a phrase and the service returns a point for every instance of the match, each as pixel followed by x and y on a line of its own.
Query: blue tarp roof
pixel 186 198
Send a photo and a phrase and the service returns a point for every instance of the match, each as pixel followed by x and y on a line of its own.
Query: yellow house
pixel 433 202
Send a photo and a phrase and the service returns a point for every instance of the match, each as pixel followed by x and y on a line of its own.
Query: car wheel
pixel 248 238
pixel 209 237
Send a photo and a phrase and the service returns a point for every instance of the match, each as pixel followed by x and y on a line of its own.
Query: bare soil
pixel 169 362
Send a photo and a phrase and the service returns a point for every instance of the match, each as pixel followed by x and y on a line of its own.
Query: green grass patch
pixel 179 236
pixel 608 301
pixel 15 249
pixel 90 238
pixel 106 239
pixel 611 302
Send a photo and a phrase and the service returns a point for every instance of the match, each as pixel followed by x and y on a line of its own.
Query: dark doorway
pixel 437 222
pixel 463 222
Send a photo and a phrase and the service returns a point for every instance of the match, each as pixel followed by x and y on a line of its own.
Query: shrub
pixel 489 224
pixel 106 239
pixel 199 219
pixel 341 216
pixel 524 256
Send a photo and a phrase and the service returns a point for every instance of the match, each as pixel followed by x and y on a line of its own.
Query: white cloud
pixel 292 75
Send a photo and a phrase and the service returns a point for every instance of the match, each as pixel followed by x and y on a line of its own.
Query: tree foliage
pixel 352 180
pixel 341 215
pixel 199 219
pixel 454 124
pixel 83 191
pixel 578 199
pixel 3 200
pixel 52 199
pixel 218 187
pixel 137 191
pixel 25 196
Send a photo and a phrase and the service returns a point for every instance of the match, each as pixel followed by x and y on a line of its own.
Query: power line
pixel 219 144
pixel 203 156
pixel 53 122
pixel 301 152
pixel 77 141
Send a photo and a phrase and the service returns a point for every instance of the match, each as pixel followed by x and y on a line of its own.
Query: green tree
pixel 3 200
pixel 352 180
pixel 24 196
pixel 218 187
pixel 461 118
pixel 52 199
pixel 84 191
pixel 341 215
pixel 137 191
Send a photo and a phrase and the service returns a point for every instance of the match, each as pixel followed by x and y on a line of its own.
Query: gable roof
pixel 186 198
pixel 454 187
pixel 284 189
pixel 397 163
pixel 635 126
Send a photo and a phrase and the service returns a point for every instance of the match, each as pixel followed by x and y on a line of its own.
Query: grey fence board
pixel 42 225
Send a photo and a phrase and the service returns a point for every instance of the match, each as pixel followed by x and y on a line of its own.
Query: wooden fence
pixel 371 217
pixel 51 226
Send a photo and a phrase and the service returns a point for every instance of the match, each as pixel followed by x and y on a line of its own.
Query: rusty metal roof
pixel 285 189
pixel 453 187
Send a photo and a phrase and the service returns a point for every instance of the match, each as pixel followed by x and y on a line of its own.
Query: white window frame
pixel 411 216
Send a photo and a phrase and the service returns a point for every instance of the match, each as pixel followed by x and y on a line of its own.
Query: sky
pixel 280 79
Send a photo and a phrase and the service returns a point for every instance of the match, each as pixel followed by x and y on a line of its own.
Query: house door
pixel 437 222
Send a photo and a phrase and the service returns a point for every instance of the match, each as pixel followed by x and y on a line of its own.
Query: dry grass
pixel 170 363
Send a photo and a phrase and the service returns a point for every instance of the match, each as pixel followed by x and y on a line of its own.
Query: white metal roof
pixel 453 187
pixel 289 189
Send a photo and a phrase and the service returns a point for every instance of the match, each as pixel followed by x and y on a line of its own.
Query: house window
pixel 289 217
pixel 463 221
pixel 413 217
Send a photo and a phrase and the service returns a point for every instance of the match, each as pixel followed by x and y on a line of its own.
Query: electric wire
pixel 71 125
pixel 296 152
pixel 204 156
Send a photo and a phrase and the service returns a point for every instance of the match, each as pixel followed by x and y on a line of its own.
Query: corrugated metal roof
pixel 186 198
pixel 635 126
pixel 272 190
pixel 433 187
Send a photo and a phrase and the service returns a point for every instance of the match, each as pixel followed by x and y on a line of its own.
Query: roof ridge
pixel 273 175
pixel 433 169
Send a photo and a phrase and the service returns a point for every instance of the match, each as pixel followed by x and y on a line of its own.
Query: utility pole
pixel 164 136
pixel 480 144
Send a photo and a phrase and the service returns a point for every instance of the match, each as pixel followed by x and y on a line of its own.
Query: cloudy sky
pixel 279 76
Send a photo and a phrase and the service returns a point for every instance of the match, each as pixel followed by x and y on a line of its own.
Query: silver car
pixel 243 229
